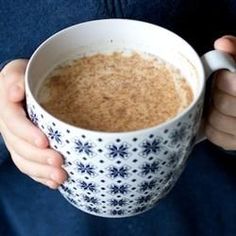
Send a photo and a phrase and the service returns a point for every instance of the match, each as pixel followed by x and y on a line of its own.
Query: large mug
pixel 120 174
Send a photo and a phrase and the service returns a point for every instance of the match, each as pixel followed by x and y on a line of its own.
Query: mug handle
pixel 212 61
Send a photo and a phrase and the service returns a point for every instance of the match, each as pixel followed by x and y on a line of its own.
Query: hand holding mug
pixel 221 120
pixel 27 145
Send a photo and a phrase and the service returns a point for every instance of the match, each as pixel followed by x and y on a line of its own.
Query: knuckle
pixel 212 134
pixel 60 176
pixel 56 156
pixel 215 119
pixel 221 102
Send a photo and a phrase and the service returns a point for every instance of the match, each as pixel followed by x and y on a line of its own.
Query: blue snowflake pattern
pixel 116 202
pixel 66 189
pixel 84 148
pixel 139 209
pixel 147 185
pixel 87 186
pixel 92 200
pixel 167 177
pixel 92 209
pixel 152 147
pixel 54 135
pixel 115 172
pixel 144 199
pixel 115 189
pixel 117 212
pixel 115 151
pixel 33 117
pixel 71 200
pixel 85 168
pixel 178 135
pixel 173 159
pixel 150 168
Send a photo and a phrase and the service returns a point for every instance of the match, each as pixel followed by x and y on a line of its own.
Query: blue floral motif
pixel 117 212
pixel 167 178
pixel 71 200
pixel 121 172
pixel 86 147
pixel 152 147
pixel 116 202
pixel 33 117
pixel 150 168
pixel 54 135
pixel 173 159
pixel 178 135
pixel 92 200
pixel 144 199
pixel 87 186
pixel 115 189
pixel 116 151
pixel 139 209
pixel 144 186
pixel 66 189
pixel 92 209
pixel 85 168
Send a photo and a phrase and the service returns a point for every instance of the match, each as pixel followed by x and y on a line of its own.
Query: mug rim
pixel 201 75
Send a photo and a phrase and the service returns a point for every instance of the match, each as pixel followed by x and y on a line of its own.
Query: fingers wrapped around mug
pixel 221 121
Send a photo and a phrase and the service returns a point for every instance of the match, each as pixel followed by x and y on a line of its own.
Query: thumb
pixel 227 44
pixel 13 74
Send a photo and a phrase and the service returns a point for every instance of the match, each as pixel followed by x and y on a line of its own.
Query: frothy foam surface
pixel 115 92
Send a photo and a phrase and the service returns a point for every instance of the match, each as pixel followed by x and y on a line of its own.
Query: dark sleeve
pixel 229 152
pixel 4 154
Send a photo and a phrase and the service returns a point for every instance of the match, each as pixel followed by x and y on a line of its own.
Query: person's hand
pixel 221 120
pixel 27 145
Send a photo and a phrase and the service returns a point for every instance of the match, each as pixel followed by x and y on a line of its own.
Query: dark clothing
pixel 204 199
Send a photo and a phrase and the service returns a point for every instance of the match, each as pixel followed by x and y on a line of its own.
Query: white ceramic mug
pixel 119 174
